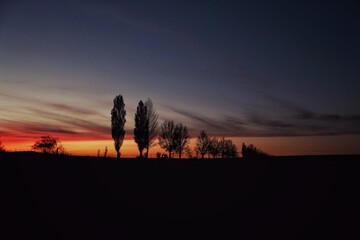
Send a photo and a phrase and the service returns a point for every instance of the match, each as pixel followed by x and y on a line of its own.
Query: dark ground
pixel 91 198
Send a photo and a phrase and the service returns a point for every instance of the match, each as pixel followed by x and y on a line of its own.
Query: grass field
pixel 96 198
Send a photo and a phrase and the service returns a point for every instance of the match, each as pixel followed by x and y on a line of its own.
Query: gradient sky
pixel 283 75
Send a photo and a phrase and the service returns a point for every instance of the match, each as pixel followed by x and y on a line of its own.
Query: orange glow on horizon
pixel 278 146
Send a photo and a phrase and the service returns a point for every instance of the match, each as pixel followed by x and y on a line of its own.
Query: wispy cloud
pixel 208 122
pixel 52 105
pixel 294 120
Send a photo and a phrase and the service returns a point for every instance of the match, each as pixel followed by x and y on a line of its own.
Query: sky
pixel 283 75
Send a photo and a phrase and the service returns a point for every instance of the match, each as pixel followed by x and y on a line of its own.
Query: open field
pixel 96 198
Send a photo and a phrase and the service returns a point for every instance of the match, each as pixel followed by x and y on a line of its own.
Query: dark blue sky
pixel 234 68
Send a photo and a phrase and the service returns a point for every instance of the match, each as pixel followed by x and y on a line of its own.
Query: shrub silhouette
pixel 152 119
pixel 141 130
pixel 117 123
pixel 252 152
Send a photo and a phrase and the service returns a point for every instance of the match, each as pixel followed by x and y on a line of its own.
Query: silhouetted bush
pixel 252 152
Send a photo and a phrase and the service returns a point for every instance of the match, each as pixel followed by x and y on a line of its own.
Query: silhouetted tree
pixel 252 152
pixel 118 122
pixel 180 138
pixel 98 152
pixel 227 149
pixel 166 136
pixel 202 144
pixel 105 152
pixel 141 130
pixel 213 147
pixel 152 118
pixel 46 144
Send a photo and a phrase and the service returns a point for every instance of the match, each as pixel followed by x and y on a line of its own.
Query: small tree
pixel 227 148
pixel 152 118
pixel 141 130
pixel 46 144
pixel 202 144
pixel 118 122
pixel 213 147
pixel 180 138
pixel 230 149
pixel 166 134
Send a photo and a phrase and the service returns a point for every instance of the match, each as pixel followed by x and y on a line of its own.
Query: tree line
pixel 172 137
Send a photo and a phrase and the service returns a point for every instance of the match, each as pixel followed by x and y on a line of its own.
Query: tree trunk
pixel 147 152
pixel 141 156
pixel 180 154
pixel 118 154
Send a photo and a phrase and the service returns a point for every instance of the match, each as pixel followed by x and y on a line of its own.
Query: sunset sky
pixel 282 75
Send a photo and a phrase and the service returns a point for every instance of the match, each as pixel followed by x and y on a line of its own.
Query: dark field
pixel 95 198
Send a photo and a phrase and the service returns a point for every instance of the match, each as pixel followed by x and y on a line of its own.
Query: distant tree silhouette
pixel 152 118
pixel 98 152
pixel 118 122
pixel 141 130
pixel 2 148
pixel 166 136
pixel 202 144
pixel 227 148
pixel 46 144
pixel 252 152
pixel 105 152
pixel 180 138
pixel 213 147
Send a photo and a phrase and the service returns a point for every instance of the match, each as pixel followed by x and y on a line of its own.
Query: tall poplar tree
pixel 141 130
pixel 118 123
